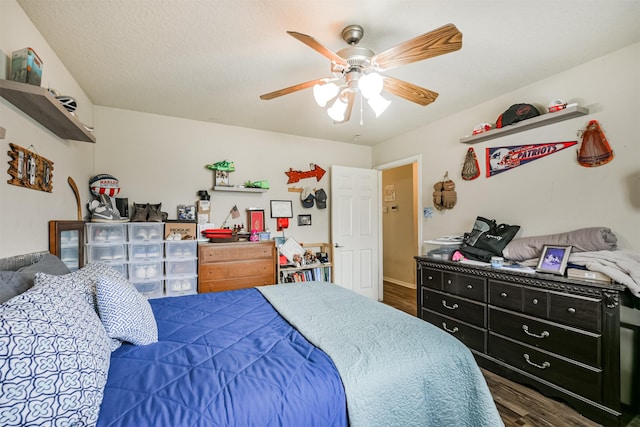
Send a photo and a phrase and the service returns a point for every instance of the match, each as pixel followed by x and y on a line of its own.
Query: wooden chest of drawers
pixel 558 335
pixel 238 265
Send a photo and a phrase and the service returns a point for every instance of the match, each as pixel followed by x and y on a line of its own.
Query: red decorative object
pixel 296 175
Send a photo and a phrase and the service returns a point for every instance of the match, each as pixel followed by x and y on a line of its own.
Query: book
pixel 578 273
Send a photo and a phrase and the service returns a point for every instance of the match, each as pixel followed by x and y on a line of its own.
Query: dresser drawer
pixel 466 286
pixel 460 308
pixel 534 302
pixel 505 295
pixel 471 336
pixel 236 269
pixel 232 284
pixel 572 343
pixel 222 252
pixel 581 312
pixel 577 378
pixel 430 278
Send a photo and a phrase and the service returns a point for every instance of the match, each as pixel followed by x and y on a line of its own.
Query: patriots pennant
pixel 502 159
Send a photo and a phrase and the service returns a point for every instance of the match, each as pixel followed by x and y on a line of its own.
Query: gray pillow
pixel 13 283
pixel 49 264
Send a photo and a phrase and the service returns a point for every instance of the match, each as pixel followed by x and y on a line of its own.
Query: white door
pixel 355 229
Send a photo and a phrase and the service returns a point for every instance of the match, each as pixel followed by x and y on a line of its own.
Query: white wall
pixel 552 194
pixel 163 159
pixel 24 213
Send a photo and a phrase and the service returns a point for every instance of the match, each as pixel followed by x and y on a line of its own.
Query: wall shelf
pixel 240 189
pixel 542 120
pixel 44 108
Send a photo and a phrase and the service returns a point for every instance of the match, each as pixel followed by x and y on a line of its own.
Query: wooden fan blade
pixel 445 39
pixel 315 45
pixel 409 91
pixel 293 88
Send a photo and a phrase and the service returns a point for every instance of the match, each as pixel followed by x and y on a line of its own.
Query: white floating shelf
pixel 240 189
pixel 541 120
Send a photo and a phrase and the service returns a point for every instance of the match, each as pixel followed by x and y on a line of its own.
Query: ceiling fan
pixel 356 70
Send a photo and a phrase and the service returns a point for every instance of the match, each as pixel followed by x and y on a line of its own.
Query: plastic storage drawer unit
pixel 150 288
pixel 181 267
pixel 181 249
pixel 98 233
pixel 145 251
pixel 146 231
pixel 181 286
pixel 144 271
pixel 106 253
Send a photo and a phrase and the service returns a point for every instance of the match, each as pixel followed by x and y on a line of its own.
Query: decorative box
pixel 26 66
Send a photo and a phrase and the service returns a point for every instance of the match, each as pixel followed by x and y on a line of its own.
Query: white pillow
pixel 83 280
pixel 125 312
pixel 54 358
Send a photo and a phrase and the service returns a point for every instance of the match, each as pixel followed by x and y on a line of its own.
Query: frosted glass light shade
pixel 370 85
pixel 337 110
pixel 378 104
pixel 324 93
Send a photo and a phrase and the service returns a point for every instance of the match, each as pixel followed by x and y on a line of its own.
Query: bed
pixel 310 354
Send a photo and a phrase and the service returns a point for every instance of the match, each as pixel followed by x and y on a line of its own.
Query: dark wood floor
pixel 519 406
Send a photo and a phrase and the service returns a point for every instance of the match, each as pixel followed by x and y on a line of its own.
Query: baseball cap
pixel 321 199
pixel 306 197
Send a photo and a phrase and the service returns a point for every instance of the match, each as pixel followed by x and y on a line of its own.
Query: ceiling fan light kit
pixel 358 69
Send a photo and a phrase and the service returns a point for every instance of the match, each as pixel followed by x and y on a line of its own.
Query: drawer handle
pixel 503 294
pixel 571 310
pixel 450 307
pixel 544 334
pixel 535 301
pixel 544 365
pixel 449 282
pixel 469 286
pixel 430 277
pixel 453 331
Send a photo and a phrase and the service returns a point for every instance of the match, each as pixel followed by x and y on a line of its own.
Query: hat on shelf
pixel 321 199
pixel 307 197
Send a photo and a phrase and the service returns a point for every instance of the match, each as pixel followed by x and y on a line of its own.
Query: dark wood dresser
pixel 559 335
pixel 237 265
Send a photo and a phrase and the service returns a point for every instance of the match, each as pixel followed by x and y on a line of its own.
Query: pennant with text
pixel 501 159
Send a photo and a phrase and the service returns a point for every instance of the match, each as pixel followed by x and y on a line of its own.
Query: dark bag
pixel 487 239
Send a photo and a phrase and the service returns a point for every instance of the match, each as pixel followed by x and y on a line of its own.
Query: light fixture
pixel 378 104
pixel 323 93
pixel 369 85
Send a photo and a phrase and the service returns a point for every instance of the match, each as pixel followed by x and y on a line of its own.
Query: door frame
pixel 401 162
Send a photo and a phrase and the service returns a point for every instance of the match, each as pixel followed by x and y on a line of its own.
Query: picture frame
pixel 255 220
pixel 553 259
pixel 281 209
pixel 304 220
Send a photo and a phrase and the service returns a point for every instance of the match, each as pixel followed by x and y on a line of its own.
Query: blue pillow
pixel 54 358
pixel 125 312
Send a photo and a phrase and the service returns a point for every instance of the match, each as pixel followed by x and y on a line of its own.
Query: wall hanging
pixel 470 168
pixel 30 170
pixel 314 171
pixel 444 195
pixel 502 159
pixel 595 149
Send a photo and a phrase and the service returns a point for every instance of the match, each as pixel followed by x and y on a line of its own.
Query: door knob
pixel 337 245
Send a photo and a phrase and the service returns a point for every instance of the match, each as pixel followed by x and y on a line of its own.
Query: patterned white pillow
pixel 83 280
pixel 125 312
pixel 54 359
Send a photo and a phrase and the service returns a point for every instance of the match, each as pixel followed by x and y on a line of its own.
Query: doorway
pixel 401 227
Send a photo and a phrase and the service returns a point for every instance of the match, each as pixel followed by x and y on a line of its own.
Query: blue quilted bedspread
pixel 223 359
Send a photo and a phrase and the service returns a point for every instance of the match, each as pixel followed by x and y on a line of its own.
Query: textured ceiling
pixel 210 60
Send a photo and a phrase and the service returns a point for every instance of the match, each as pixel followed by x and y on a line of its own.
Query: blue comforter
pixel 223 359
